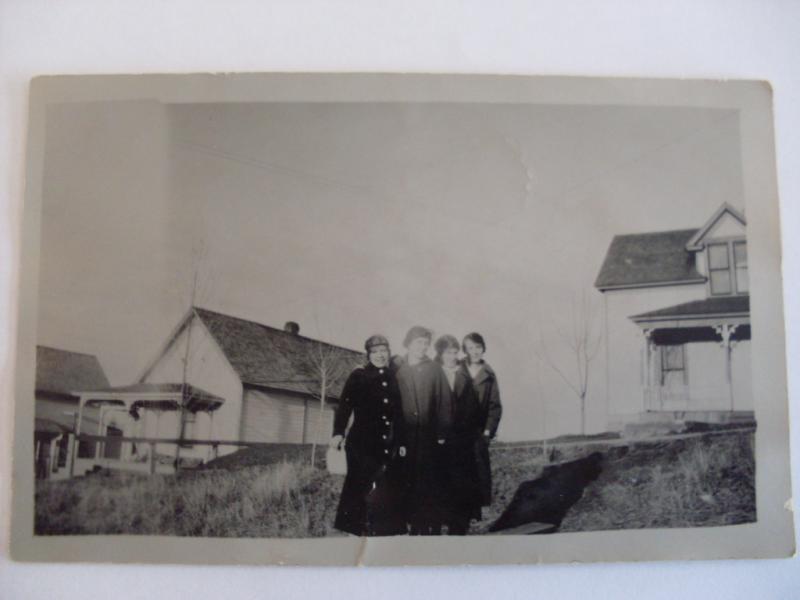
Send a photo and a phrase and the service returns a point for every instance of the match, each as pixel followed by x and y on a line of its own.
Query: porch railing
pixel 152 461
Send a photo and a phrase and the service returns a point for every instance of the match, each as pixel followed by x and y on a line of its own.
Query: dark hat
pixel 375 340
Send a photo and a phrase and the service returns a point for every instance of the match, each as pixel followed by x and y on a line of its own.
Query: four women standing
pixel 417 451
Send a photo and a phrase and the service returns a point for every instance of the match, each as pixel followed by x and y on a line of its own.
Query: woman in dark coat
pixel 369 504
pixel 459 464
pixel 489 408
pixel 425 402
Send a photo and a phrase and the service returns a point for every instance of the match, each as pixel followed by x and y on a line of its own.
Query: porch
pixel 696 359
pixel 144 428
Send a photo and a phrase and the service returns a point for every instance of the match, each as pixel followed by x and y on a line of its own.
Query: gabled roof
pixel 713 306
pixel 269 357
pixel 695 243
pixel 647 259
pixel 65 372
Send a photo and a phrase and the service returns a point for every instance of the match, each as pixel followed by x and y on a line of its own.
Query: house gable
pixel 726 222
pixel 208 368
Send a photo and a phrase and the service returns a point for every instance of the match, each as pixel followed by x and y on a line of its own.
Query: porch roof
pixel 736 308
pixel 163 396
pixel 49 427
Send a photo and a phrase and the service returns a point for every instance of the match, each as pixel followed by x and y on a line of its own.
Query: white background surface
pixel 755 40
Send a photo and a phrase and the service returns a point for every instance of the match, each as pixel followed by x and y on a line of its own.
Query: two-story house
pixel 677 323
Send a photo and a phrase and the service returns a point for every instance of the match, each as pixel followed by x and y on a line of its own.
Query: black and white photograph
pixel 398 317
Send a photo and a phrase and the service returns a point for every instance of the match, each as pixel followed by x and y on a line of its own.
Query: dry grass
pixel 700 482
pixel 287 499
pixel 679 483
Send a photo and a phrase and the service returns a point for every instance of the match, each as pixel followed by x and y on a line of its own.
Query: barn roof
pixel 645 259
pixel 268 357
pixel 713 306
pixel 64 372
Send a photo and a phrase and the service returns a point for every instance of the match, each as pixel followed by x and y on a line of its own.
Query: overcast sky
pixel 360 218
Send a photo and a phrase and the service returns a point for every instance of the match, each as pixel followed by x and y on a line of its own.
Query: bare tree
pixel 199 293
pixel 582 340
pixel 323 368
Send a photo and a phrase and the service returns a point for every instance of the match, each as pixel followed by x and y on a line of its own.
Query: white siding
pixel 209 370
pixel 319 427
pixel 282 418
pixel 742 376
pixel 624 356
pixel 707 376
pixel 726 226
pixel 624 345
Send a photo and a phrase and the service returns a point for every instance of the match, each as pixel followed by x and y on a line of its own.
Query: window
pixel 673 365
pixel 740 262
pixel 727 268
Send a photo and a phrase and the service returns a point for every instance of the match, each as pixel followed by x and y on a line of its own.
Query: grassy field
pixel 276 493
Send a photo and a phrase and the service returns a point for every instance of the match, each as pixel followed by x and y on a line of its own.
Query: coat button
pixel 386 401
pixel 380 371
pixel 383 436
pixel 384 384
pixel 386 452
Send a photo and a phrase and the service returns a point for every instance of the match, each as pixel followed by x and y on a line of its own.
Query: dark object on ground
pixel 548 498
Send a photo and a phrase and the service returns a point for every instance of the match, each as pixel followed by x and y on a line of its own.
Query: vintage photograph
pixel 388 318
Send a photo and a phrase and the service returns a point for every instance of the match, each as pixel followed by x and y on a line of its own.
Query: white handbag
pixel 336 461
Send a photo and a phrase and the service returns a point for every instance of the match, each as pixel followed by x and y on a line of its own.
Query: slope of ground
pixel 707 480
pixel 703 481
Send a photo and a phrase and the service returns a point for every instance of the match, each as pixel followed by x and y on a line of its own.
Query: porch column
pixel 648 369
pixel 725 331
pixel 52 467
pixel 73 454
pixel 126 448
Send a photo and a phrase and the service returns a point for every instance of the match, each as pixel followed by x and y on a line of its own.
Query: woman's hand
pixel 336 441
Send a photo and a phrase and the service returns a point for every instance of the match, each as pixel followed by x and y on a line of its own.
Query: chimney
pixel 292 327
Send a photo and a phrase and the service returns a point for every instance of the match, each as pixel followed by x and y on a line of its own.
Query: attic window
pixel 727 268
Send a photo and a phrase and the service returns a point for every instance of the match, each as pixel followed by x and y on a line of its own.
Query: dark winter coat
pixel 370 503
pixel 460 467
pixel 426 418
pixel 489 412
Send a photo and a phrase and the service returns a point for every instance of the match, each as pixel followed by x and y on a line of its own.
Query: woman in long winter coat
pixel 370 504
pixel 425 400
pixel 489 407
pixel 459 464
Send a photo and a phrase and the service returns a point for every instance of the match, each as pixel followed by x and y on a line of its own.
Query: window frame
pixel 729 244
pixel 663 366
